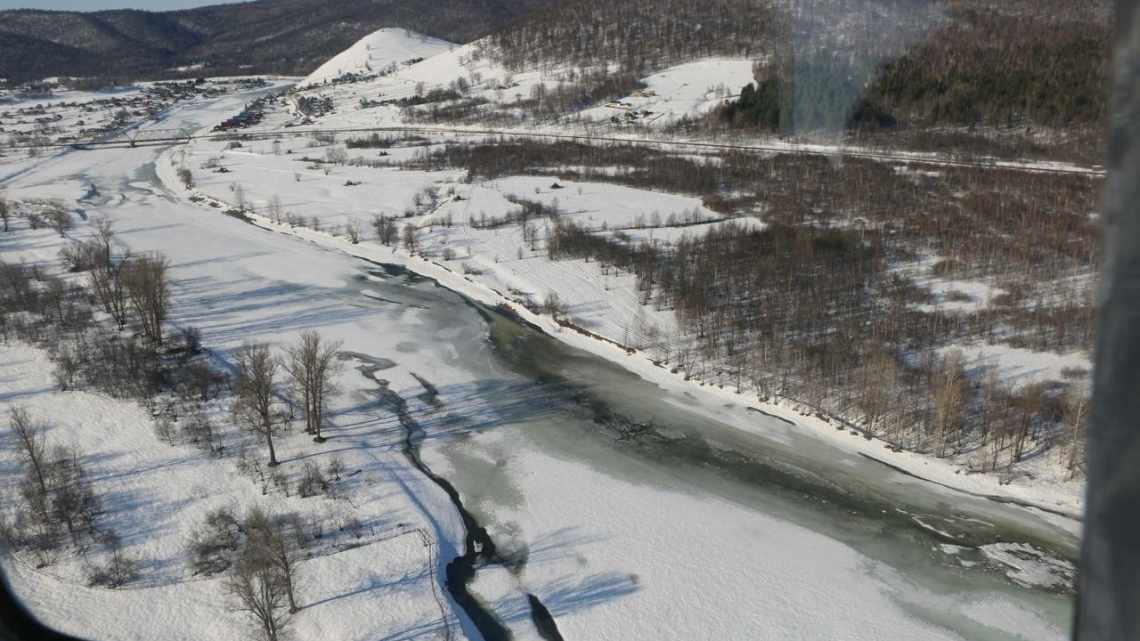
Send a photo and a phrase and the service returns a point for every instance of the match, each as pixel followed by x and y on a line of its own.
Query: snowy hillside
pixel 381 50
pixel 689 89
pixel 471 85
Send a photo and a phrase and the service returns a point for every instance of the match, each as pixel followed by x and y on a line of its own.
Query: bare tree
pixel 119 570
pixel 186 177
pixel 73 499
pixel 1076 416
pixel 104 236
pixel 239 196
pixel 386 229
pixel 1027 404
pixel 877 378
pixel 5 213
pixel 59 219
pixel 411 243
pixel 312 367
pixel 275 543
pixel 148 292
pixel 110 289
pixel 552 304
pixel 949 400
pixel 30 437
pixel 275 209
pixel 200 430
pixel 255 385
pixel 56 490
pixel 258 589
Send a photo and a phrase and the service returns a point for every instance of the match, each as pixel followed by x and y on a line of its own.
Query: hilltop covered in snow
pixel 378 52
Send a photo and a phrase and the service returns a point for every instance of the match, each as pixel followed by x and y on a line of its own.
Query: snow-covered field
pixel 602 300
pixel 688 90
pixel 154 494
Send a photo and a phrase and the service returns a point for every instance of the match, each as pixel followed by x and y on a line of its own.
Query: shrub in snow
pixel 199 430
pixel 312 482
pixel 214 545
pixel 119 570
pixel 164 429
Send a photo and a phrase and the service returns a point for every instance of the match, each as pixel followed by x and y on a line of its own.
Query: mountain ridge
pixel 267 36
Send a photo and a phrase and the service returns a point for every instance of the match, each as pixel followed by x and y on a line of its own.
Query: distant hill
pixel 268 36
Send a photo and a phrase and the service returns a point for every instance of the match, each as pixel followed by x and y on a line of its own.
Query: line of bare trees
pixel 56 506
pixel 5 213
pixel 311 366
pixel 259 553
pixel 126 287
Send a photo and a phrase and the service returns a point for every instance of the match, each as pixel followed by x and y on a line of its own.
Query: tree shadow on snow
pixel 570 594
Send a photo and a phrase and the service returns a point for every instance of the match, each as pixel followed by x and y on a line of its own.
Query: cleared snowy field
pixel 381 51
pixel 599 299
pixel 687 90
pixel 154 494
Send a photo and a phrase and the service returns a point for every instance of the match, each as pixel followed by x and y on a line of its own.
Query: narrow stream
pixel 479 548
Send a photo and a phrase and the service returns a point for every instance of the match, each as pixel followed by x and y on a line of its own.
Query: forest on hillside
pixel 982 68
pixel 872 65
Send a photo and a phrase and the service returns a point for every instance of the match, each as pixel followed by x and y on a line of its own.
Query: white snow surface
pixel 1018 366
pixel 375 52
pixel 617 560
pixel 688 89
pixel 964 296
